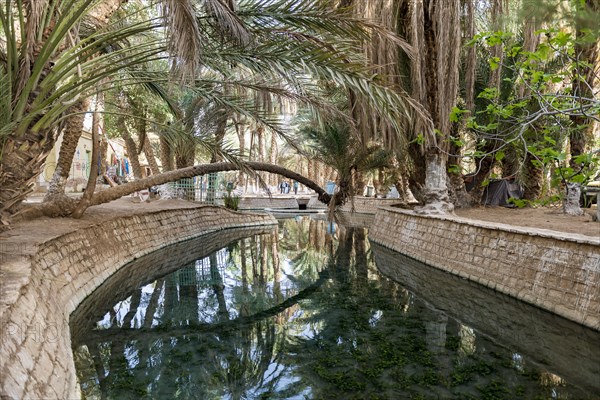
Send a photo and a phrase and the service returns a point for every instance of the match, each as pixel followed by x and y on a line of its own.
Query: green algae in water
pixel 302 313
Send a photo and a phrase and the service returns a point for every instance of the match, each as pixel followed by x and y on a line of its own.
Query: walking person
pixel 295 187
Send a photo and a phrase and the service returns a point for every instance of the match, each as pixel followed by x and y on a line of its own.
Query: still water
pixel 306 311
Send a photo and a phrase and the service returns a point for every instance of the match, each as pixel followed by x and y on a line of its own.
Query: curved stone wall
pixel 42 284
pixel 556 271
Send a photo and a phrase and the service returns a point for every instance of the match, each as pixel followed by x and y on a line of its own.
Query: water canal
pixel 307 311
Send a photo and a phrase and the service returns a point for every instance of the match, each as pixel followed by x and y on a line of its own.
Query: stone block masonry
pixel 44 282
pixel 259 203
pixel 556 271
pixel 516 324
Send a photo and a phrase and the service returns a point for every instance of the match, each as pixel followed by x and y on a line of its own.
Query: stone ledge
pixel 573 237
pixel 45 279
pixel 554 271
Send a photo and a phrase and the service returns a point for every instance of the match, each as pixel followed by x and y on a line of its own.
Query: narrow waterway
pixel 308 311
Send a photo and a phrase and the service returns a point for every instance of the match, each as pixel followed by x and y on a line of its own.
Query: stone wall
pixel 556 271
pixel 260 203
pixel 43 284
pixel 368 205
pixel 529 330
pixel 362 205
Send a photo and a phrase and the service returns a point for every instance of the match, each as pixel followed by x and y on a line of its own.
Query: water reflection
pixel 302 312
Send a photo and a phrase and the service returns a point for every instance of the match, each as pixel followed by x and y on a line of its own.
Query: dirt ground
pixel 547 218
pixel 543 217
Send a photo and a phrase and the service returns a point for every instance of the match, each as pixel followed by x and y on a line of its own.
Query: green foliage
pixel 457 114
pixel 230 200
pixel 519 203
pixel 531 114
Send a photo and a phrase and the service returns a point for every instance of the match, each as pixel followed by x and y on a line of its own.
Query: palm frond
pixel 227 22
pixel 184 39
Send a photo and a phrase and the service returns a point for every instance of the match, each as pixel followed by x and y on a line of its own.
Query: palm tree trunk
pixel 149 152
pixel 98 121
pixel 497 51
pixel 241 132
pixel 132 151
pixel 584 80
pixel 166 154
pixel 471 57
pixel 116 192
pixel 216 157
pixel 102 152
pixel 203 169
pixel 219 136
pixel 71 134
pixel 440 36
pixel 273 157
pixel 262 151
pixel 22 160
pixel 532 179
pixel 184 157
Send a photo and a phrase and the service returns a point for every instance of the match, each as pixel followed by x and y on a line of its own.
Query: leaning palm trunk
pixel 117 192
pixel 71 134
pixel 204 169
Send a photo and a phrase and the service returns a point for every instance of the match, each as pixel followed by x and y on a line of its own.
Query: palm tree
pixel 335 144
pixel 292 42
pixel 433 29
pixel 73 128
pixel 44 71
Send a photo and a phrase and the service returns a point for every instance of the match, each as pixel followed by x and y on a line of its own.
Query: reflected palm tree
pixel 218 286
pixel 335 329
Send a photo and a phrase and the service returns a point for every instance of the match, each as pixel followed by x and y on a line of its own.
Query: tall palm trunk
pixel 471 56
pixel 216 157
pixel 71 134
pixel 132 151
pixel 434 28
pixel 262 148
pixel 145 145
pixel 97 126
pixel 584 80
pixel 219 136
pixel 102 153
pixel 273 158
pixel 184 157
pixel 149 152
pixel 486 163
pixel 166 154
pixel 241 132
pixel 532 178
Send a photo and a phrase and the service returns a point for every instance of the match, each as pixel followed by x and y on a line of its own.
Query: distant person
pixel 281 187
pixel 295 187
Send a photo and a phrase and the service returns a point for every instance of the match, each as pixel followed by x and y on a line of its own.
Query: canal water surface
pixel 308 311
